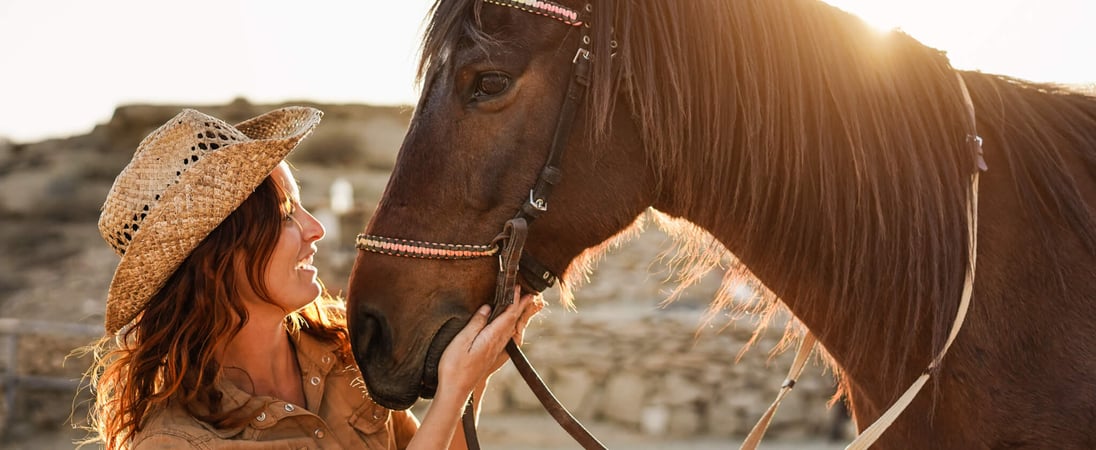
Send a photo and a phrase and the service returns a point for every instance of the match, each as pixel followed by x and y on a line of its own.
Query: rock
pixel 678 390
pixel 655 420
pixel 685 420
pixel 574 387
pixel 624 398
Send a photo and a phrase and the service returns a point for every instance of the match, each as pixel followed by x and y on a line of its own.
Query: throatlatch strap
pixel 536 276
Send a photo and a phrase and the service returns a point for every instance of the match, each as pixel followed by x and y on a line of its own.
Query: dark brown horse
pixel 832 160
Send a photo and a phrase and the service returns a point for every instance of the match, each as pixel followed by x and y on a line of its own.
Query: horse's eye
pixel 491 84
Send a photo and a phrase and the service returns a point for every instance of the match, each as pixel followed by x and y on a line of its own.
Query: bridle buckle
pixel 538 203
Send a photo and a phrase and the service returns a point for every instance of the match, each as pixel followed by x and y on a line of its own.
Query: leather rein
pixel 516 266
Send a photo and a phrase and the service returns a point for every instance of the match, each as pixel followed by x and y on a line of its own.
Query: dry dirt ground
pixel 526 432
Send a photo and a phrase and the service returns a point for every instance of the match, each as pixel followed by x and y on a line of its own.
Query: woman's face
pixel 290 276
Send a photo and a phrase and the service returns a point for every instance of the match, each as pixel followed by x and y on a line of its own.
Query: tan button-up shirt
pixel 338 414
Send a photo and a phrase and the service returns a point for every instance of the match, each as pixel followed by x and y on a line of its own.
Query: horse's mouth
pixel 399 386
pixel 442 338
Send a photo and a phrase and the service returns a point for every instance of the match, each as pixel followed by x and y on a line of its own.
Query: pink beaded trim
pixel 544 8
pixel 420 249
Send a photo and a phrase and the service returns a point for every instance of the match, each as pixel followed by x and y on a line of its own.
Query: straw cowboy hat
pixel 184 180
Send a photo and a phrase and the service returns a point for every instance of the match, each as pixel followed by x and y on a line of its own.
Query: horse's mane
pixel 857 140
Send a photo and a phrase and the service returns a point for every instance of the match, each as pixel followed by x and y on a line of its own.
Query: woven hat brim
pixel 208 192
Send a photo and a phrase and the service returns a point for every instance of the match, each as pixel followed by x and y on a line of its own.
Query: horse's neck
pixel 798 266
pixel 826 192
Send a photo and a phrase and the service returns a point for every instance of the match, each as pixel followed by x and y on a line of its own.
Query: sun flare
pixel 1010 37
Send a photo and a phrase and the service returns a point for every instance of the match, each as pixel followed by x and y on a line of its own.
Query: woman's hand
pixel 473 355
pixel 535 304
pixel 479 349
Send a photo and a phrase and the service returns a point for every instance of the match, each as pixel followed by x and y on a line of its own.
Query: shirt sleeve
pixel 404 426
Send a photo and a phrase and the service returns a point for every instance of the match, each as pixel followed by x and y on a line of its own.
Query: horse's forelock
pixel 450 21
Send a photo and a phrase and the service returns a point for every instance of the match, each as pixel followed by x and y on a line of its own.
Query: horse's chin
pixel 385 384
pixel 441 340
pixel 376 372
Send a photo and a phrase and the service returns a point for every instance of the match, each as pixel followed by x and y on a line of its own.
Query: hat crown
pixel 158 163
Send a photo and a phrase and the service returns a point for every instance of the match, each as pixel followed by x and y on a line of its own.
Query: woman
pixel 219 333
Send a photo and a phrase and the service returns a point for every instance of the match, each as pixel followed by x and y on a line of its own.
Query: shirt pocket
pixel 370 418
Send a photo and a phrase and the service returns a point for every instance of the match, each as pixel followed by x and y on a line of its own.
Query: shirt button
pixel 289 407
pixel 262 416
pixel 315 381
pixel 319 433
pixel 326 359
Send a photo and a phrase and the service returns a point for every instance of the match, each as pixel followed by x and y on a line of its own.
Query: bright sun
pixel 1012 37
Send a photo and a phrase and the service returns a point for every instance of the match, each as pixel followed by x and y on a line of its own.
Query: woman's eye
pixel 491 84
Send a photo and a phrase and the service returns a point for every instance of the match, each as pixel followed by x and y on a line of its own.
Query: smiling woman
pixel 218 329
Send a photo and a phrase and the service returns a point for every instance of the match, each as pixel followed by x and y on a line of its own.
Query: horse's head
pixel 495 78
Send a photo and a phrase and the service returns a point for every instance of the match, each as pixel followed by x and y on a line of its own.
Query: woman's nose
pixel 313 229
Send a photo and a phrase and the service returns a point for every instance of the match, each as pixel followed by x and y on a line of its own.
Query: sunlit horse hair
pixel 900 122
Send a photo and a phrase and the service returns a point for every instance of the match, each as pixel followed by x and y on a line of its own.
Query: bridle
pixel 510 242
pixel 508 246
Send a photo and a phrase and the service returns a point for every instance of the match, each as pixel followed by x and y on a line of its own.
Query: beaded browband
pixel 424 250
pixel 545 8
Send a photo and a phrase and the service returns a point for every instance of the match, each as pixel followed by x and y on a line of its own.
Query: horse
pixel 832 160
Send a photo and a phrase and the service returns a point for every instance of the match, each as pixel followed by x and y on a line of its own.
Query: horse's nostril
pixel 362 332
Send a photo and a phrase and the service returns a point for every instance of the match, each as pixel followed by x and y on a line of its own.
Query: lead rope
pixel 873 432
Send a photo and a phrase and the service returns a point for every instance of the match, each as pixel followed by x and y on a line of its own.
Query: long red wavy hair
pixel 167 353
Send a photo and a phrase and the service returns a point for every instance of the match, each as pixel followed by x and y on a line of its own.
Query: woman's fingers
pixel 467 337
pixel 480 345
pixel 534 305
pixel 504 326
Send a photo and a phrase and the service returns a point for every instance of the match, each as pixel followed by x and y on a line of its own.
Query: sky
pixel 66 64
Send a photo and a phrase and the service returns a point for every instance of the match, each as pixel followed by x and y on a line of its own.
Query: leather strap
pixel 549 401
pixel 551 404
pixel 876 429
pixel 511 241
pixel 873 432
pixel 551 173
pixel 758 431
pixel 535 275
pixel 468 423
